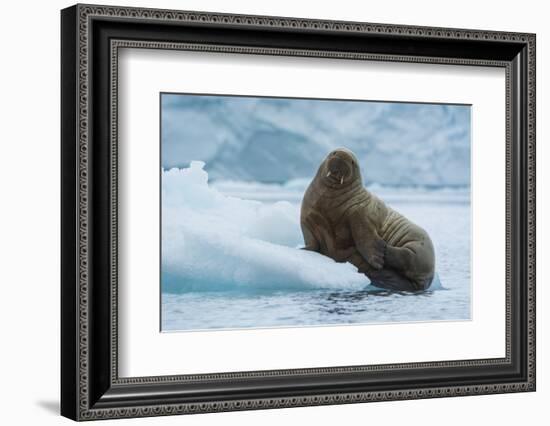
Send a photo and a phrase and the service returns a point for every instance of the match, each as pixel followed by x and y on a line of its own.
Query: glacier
pixel 278 140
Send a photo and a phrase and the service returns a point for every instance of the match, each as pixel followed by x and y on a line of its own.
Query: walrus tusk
pixel 341 180
pixel 328 174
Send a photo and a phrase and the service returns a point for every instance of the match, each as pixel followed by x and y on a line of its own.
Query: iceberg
pixel 215 242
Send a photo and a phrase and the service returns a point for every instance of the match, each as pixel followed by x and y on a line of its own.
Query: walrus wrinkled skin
pixel 342 220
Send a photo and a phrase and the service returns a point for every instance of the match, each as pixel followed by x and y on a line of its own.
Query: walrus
pixel 342 220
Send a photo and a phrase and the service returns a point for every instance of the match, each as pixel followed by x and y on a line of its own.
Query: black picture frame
pixel 90 386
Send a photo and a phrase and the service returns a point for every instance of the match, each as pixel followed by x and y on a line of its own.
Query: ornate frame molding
pixel 87 408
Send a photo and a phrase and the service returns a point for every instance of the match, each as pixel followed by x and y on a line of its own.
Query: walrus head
pixel 340 169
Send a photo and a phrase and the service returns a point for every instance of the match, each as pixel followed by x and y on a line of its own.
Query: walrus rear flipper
pixel 389 279
pixel 400 258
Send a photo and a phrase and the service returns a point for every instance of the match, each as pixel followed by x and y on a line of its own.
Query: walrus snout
pixel 338 169
pixel 340 165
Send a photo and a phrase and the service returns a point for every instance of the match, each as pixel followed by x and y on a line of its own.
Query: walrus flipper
pixel 390 279
pixel 367 240
pixel 318 235
pixel 311 243
pixel 400 258
pixel 414 260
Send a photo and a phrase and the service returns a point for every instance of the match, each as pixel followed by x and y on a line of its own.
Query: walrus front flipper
pixel 367 240
pixel 311 243
pixel 318 234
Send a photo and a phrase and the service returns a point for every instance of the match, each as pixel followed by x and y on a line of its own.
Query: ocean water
pixel 230 259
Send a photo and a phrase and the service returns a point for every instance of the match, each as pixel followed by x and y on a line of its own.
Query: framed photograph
pixel 263 212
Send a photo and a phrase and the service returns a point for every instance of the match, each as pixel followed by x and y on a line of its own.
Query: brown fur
pixel 344 221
